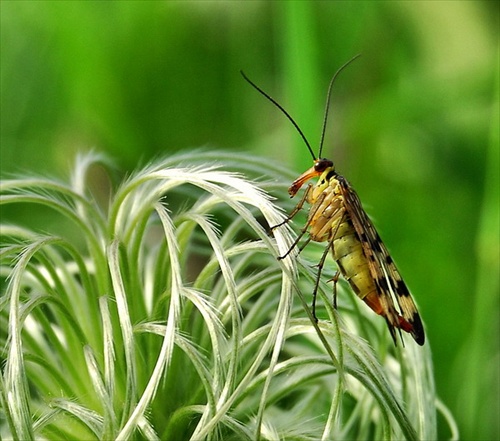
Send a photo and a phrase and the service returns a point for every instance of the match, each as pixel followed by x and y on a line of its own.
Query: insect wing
pixel 388 281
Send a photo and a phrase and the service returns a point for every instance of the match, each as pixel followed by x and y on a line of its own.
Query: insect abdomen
pixel 348 253
pixel 354 266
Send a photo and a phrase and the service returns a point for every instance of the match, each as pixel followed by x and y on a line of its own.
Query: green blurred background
pixel 414 127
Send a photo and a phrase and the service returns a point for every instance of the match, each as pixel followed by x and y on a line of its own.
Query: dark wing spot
pixel 376 246
pixel 363 237
pixel 382 282
pixel 401 289
pixel 388 259
pixel 418 329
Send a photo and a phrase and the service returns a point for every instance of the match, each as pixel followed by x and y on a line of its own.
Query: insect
pixel 337 217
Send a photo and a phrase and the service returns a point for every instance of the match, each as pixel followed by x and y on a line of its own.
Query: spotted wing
pixel 388 281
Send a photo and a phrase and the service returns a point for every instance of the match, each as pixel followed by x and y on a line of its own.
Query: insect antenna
pixel 327 105
pixel 279 106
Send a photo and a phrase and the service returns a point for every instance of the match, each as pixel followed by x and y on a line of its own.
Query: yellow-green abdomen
pixel 348 253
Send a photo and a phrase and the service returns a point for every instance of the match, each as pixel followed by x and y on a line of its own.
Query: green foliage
pixel 166 315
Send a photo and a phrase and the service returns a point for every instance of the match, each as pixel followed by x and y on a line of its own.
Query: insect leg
pixel 303 231
pixel 300 236
pixel 318 276
pixel 335 279
pixel 297 208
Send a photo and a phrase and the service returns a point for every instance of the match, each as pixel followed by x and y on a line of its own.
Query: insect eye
pixel 322 164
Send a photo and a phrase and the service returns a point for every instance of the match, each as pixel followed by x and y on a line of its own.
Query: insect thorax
pixel 327 209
